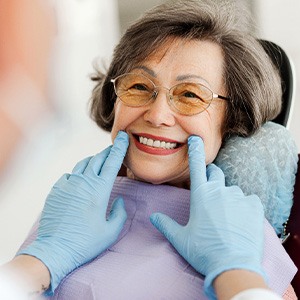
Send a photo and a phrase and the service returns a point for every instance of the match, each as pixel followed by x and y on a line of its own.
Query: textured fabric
pixel 289 294
pixel 143 264
pixel 264 164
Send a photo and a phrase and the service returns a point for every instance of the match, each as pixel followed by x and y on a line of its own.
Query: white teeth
pixel 150 142
pixel 157 143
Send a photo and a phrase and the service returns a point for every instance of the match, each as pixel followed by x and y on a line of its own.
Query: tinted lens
pixel 134 89
pixel 191 98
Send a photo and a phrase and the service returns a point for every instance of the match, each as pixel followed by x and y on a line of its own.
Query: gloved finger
pixel 115 158
pixel 80 166
pixel 256 203
pixel 167 226
pixel 214 173
pixel 96 162
pixel 196 160
pixel 62 180
pixel 117 216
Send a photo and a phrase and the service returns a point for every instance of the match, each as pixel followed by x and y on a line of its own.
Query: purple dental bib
pixel 142 264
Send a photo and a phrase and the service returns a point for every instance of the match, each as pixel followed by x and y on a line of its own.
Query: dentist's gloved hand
pixel 225 228
pixel 73 227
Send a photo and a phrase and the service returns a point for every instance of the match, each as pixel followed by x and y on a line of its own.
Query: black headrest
pixel 282 61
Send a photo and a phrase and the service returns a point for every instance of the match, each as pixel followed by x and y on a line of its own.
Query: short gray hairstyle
pixel 252 81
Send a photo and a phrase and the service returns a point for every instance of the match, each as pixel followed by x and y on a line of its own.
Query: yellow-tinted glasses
pixel 187 98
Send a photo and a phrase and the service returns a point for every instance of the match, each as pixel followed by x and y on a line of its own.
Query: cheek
pixel 209 128
pixel 118 121
pixel 124 116
pixel 212 150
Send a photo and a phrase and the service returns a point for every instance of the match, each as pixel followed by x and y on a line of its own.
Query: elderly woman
pixel 183 79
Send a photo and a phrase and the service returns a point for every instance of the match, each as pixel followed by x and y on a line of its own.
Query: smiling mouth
pixel 156 143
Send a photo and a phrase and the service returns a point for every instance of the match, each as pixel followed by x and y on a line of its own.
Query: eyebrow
pixel 190 76
pixel 178 78
pixel 147 70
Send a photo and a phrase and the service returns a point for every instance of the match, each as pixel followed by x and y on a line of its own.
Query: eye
pixel 188 94
pixel 140 87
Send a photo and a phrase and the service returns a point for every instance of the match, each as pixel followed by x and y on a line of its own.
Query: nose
pixel 158 111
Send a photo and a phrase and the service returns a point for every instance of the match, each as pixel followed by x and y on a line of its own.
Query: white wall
pixel 86 30
pixel 279 22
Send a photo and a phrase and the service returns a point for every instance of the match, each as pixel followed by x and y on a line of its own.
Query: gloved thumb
pixel 118 215
pixel 167 226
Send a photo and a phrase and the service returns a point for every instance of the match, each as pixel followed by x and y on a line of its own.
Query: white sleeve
pixel 256 294
pixel 10 289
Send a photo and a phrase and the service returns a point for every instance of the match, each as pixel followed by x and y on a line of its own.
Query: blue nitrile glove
pixel 225 228
pixel 73 228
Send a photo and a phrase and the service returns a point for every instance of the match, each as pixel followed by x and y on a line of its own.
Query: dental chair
pixel 292 227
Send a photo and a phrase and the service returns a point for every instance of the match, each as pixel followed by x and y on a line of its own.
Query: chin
pixel 157 171
pixel 140 176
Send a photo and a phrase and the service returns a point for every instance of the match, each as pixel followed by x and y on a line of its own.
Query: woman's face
pixel 174 62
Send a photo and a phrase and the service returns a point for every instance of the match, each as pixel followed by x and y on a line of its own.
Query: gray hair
pixel 252 81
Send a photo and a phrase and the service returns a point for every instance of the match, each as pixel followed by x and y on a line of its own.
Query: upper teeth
pixel 157 143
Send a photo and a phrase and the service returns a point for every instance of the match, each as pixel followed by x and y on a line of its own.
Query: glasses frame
pixel 170 98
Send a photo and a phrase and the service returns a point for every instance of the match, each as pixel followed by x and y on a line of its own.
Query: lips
pixel 156 145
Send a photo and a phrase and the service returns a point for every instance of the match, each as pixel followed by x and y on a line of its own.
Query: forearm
pixel 15 123
pixel 231 283
pixel 29 272
pixel 10 137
